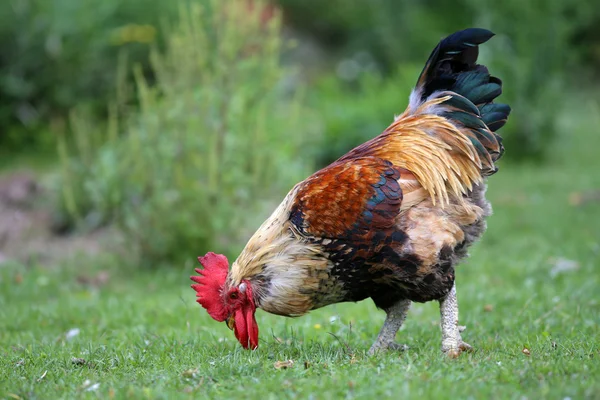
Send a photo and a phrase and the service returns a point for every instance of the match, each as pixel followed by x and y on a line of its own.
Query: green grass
pixel 143 336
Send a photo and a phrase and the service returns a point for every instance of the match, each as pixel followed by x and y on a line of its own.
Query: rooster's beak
pixel 230 321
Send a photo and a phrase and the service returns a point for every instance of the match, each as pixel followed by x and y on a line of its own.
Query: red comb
pixel 210 283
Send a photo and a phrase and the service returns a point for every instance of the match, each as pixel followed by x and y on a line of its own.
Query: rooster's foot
pixel 454 350
pixel 395 316
pixel 452 343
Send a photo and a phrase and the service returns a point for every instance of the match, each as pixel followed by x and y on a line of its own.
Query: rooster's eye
pixel 233 295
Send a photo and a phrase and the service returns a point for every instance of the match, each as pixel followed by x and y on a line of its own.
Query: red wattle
pixel 246 328
pixel 241 329
pixel 252 327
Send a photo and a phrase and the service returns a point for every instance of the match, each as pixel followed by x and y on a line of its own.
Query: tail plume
pixel 447 136
pixel 452 71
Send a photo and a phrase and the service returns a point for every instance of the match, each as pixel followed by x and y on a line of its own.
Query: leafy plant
pixel 352 113
pixel 58 54
pixel 531 54
pixel 537 52
pixel 213 141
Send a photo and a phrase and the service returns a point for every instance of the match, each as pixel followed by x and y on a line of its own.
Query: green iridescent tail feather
pixel 452 69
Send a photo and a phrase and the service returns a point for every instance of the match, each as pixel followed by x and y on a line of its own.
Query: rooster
pixel 389 220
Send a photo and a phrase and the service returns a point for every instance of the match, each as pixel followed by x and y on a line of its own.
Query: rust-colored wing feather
pixel 351 209
pixel 356 201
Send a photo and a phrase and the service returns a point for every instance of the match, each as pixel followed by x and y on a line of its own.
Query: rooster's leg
pixel 452 343
pixel 396 315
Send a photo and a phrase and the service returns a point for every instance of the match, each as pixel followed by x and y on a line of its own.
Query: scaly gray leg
pixel 396 315
pixel 452 343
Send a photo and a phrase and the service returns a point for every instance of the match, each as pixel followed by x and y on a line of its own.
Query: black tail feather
pixel 454 54
pixel 452 67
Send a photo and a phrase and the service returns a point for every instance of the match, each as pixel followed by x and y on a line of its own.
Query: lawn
pixel 528 296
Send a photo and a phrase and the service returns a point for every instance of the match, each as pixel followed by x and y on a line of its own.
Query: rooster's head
pixel 224 303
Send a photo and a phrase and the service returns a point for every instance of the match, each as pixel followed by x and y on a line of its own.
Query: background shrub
pixel 354 112
pixel 193 149
pixel 539 48
pixel 58 54
pixel 214 139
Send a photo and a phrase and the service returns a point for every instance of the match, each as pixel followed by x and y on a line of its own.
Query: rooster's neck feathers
pixel 270 262
pixel 439 153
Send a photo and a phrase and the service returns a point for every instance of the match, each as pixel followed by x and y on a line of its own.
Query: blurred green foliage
pixel 538 51
pixel 535 56
pixel 392 31
pixel 351 113
pixel 214 139
pixel 188 151
pixel 57 54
